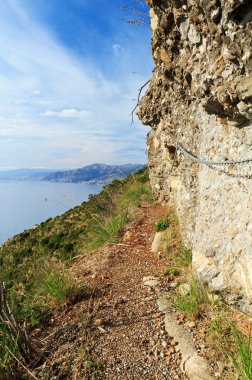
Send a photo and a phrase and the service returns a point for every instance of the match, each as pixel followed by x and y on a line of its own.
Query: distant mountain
pixel 25 174
pixel 95 173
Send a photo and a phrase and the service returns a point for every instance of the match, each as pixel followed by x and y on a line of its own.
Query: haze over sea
pixel 26 203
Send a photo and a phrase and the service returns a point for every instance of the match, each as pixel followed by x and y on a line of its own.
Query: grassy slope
pixel 29 258
pixel 34 265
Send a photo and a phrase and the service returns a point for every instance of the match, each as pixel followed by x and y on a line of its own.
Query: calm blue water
pixel 24 204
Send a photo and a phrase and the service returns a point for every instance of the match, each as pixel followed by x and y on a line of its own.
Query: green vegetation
pixel 224 330
pixel 105 230
pixel 35 265
pixel 242 358
pixel 162 224
pixel 192 301
pixel 179 256
pixel 229 342
pixel 8 348
pixel 91 365
pixel 58 287
pixel 26 258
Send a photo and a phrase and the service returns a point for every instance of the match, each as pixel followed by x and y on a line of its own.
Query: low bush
pixel 162 224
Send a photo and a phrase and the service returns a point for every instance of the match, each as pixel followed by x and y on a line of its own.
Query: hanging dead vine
pixel 138 101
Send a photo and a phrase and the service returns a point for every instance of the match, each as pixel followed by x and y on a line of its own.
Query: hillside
pixel 94 293
pixel 95 173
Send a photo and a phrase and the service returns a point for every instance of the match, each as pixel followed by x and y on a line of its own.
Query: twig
pixel 74 258
pixel 22 365
pixel 120 244
pixel 138 101
pixel 6 316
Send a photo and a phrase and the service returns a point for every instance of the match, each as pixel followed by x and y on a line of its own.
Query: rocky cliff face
pixel 200 99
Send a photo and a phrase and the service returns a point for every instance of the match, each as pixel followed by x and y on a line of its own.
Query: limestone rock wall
pixel 200 97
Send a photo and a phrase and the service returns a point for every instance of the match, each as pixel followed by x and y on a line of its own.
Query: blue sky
pixel 69 71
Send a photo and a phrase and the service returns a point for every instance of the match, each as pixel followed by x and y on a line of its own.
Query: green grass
pixel 242 357
pixel 184 258
pixel 179 257
pixel 34 264
pixel 171 271
pixel 25 259
pixel 137 192
pixel 106 229
pixel 191 303
pixel 8 347
pixel 162 224
pixel 58 287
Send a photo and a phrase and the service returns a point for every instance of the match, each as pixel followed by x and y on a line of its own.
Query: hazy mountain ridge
pixel 94 173
pixel 17 174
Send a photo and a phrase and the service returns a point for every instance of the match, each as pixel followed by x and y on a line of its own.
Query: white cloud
pixel 50 97
pixel 70 113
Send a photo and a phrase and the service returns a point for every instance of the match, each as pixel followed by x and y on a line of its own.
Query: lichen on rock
pixel 200 96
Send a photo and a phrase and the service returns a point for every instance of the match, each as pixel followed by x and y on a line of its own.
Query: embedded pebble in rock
pixel 151 282
pixel 190 324
pixel 184 289
pixel 99 322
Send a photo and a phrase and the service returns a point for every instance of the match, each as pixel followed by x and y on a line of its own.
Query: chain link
pixel 203 161
pixel 215 164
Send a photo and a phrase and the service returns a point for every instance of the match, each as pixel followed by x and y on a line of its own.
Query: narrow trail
pixel 119 333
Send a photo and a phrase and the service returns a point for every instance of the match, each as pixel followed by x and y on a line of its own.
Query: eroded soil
pixel 116 332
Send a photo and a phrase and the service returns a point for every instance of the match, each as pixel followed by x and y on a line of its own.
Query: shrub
pixel 162 224
pixel 45 241
pixel 55 241
pixel 68 247
pixel 143 175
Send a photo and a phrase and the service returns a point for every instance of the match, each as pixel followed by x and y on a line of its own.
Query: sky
pixel 70 71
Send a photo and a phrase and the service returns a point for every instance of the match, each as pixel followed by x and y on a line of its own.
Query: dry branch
pixel 6 316
pixel 138 101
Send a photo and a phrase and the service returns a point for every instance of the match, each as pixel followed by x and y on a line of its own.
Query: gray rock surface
pixel 157 242
pixel 200 96
pixel 151 282
pixel 195 366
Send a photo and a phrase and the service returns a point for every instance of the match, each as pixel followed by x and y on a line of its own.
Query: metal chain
pixel 203 161
pixel 213 164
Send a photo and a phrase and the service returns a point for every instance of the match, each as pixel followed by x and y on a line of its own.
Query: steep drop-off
pixel 200 99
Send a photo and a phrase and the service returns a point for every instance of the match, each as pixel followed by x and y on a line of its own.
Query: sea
pixel 23 204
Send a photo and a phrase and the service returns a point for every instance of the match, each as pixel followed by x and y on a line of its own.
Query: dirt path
pixel 119 333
